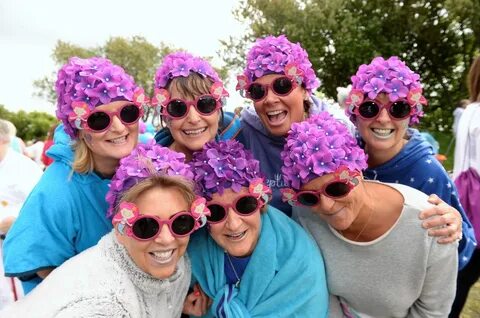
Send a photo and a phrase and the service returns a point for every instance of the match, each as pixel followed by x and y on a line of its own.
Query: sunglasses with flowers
pixel 340 186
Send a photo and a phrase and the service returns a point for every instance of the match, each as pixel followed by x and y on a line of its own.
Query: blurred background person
pixel 466 170
pixel 18 175
pixel 16 143
pixel 342 94
pixel 46 160
pixel 457 114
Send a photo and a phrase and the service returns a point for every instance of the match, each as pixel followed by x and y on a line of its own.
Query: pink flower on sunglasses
pixel 415 97
pixel 355 98
pixel 293 71
pixel 242 82
pixel 288 195
pixel 218 91
pixel 79 113
pixel 200 211
pixel 126 215
pixel 258 188
pixel 139 97
pixel 160 97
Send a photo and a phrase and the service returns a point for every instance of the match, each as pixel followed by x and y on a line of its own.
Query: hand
pixel 197 302
pixel 442 221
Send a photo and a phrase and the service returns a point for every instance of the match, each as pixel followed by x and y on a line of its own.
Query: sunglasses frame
pixel 233 205
pixel 268 86
pixel 387 106
pixel 190 103
pixel 160 223
pixel 110 116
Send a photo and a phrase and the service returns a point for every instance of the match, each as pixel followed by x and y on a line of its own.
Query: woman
pixel 183 81
pixel 379 260
pixel 139 269
pixel 386 99
pixel 99 105
pixel 466 175
pixel 253 261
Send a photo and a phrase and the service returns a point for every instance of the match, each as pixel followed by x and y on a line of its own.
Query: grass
pixel 472 307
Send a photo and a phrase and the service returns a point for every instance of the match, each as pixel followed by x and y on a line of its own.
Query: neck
pixel 178 148
pixel 377 158
pixel 105 167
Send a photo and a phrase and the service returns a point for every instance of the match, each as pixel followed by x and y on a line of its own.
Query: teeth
pixel 119 140
pixel 382 133
pixel 275 112
pixel 236 236
pixel 163 256
pixel 195 132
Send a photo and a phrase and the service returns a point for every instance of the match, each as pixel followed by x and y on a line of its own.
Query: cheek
pixel 88 138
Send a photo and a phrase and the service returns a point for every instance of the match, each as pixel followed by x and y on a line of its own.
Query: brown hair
pixel 180 184
pixel 473 82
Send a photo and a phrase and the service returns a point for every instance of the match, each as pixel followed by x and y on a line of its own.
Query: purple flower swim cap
pixel 318 146
pixel 145 161
pixel 83 84
pixel 270 55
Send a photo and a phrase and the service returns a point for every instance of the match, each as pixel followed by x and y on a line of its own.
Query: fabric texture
pixel 18 176
pixel 63 215
pixel 267 148
pixel 231 129
pixel 403 273
pixel 285 261
pixel 416 166
pixel 104 281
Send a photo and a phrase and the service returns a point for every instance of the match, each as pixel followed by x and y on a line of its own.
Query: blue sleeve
pixel 231 126
pixel 44 233
pixel 443 186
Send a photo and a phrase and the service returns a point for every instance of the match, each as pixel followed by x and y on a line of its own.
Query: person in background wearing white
pixel 18 175
pixel 457 114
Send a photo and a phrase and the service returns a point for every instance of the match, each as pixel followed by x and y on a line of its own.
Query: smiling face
pixel 339 213
pixel 158 257
pixel 194 130
pixel 278 113
pixel 382 135
pixel 238 235
pixel 109 146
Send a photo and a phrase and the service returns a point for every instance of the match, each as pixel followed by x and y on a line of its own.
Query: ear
pixel 120 238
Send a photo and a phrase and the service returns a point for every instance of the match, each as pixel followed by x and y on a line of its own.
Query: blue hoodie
pixel 416 166
pixel 63 215
pixel 266 148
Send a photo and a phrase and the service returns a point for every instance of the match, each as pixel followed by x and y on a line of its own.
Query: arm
pixel 438 290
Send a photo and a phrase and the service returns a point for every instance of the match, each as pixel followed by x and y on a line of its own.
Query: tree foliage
pixel 30 126
pixel 436 38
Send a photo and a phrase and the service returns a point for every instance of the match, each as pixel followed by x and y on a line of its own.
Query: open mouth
pixel 118 140
pixel 236 236
pixel 382 133
pixel 162 257
pixel 194 132
pixel 276 116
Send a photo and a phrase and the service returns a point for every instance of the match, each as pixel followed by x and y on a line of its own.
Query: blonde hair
pixel 474 80
pixel 83 159
pixel 180 184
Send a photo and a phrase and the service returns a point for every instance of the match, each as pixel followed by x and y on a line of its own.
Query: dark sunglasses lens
pixel 145 228
pixel 246 205
pixel 130 114
pixel 368 110
pixel 217 212
pixel 176 108
pixel 282 85
pixel 98 121
pixel 183 224
pixel 337 189
pixel 206 104
pixel 400 109
pixel 256 91
pixel 307 199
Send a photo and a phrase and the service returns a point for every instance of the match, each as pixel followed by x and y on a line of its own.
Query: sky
pixel 29 30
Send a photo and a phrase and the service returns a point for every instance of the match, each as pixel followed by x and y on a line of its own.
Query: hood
pixel 61 150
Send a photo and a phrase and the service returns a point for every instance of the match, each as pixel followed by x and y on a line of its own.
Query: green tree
pixel 437 38
pixel 32 125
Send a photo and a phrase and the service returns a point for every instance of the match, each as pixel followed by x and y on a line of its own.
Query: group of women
pixel 246 256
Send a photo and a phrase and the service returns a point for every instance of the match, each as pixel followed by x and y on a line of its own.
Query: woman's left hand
pixel 442 221
pixel 197 302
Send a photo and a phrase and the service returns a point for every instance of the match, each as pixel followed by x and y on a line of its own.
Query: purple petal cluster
pixel 146 160
pixel 391 76
pixel 319 146
pixel 270 55
pixel 181 64
pixel 223 165
pixel 95 81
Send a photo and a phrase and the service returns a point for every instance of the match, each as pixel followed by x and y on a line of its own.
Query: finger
pixel 447 240
pixel 434 210
pixel 440 220
pixel 434 199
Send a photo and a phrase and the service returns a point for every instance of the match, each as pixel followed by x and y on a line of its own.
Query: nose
pixel 117 125
pixel 233 221
pixel 326 203
pixel 193 116
pixel 165 237
pixel 270 96
pixel 383 116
